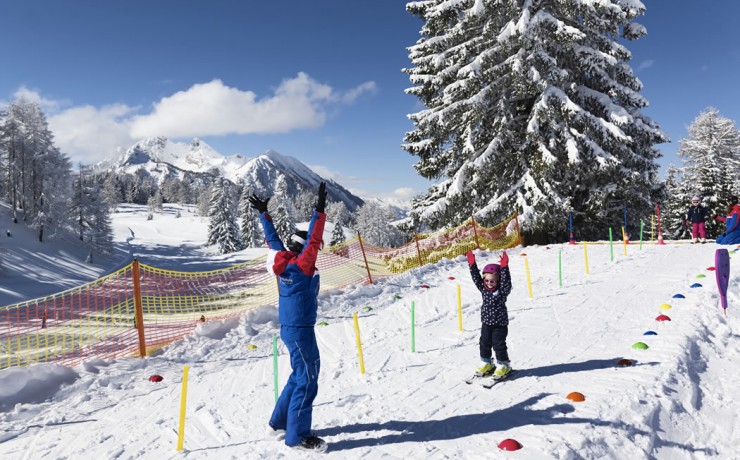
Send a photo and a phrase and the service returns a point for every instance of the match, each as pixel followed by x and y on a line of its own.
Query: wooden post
pixel 138 308
pixel 475 233
pixel 418 250
pixel 364 257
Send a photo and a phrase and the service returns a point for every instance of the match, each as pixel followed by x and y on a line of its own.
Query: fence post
pixel 364 257
pixel 475 232
pixel 418 251
pixel 138 309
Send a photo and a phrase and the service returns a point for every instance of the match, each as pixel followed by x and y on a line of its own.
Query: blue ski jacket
pixel 298 277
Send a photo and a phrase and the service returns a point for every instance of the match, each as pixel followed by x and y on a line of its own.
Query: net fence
pixel 140 308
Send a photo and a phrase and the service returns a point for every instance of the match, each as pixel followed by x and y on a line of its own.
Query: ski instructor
pixel 298 283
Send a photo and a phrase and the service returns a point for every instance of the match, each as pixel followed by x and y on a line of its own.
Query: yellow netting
pixel 98 318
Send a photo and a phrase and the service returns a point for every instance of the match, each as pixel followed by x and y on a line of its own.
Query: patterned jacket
pixel 493 311
pixel 298 277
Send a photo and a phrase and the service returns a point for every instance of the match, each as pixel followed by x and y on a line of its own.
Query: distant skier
pixel 298 283
pixel 695 219
pixel 7 233
pixel 495 286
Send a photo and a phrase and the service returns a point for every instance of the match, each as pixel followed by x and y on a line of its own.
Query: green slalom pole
pixel 611 244
pixel 413 333
pixel 275 365
pixel 642 225
pixel 560 267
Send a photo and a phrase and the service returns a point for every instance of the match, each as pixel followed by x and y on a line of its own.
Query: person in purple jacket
pixel 298 283
pixel 495 286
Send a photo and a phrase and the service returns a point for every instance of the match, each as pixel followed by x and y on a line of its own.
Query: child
pixel 695 216
pixel 495 286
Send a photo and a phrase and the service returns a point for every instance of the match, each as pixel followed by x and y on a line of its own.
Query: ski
pixel 490 383
pixel 477 376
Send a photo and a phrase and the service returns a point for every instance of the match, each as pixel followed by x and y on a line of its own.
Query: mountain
pixel 161 158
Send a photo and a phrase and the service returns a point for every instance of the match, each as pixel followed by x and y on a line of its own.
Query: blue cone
pixel 679 296
pixel 696 285
pixel 650 333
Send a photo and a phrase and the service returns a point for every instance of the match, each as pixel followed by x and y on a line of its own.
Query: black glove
pixel 321 204
pixel 258 204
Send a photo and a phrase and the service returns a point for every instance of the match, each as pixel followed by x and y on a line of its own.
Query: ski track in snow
pixel 416 405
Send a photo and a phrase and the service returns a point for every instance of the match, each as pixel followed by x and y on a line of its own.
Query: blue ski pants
pixel 294 407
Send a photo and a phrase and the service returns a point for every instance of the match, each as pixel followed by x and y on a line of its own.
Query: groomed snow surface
pixel 678 401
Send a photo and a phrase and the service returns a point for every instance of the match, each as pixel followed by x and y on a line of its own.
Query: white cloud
pixel 351 96
pixel 47 105
pixel 214 109
pixel 645 64
pixel 89 134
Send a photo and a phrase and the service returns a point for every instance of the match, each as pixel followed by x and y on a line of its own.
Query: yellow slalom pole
pixel 183 399
pixel 359 344
pixel 459 308
pixel 585 256
pixel 529 279
pixel 624 241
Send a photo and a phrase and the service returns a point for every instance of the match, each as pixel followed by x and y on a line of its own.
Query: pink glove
pixel 504 262
pixel 471 257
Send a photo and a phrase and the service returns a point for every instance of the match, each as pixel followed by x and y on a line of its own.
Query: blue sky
pixel 320 81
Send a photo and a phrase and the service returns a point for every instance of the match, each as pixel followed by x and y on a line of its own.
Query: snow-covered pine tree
pixel 100 237
pixel 531 107
pixel 251 230
pixel 673 209
pixel 336 211
pixel 279 206
pixel 90 215
pixel 711 157
pixel 373 223
pixel 155 202
pixel 337 235
pixel 222 228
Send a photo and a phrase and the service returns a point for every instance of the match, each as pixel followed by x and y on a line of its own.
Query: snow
pixel 678 401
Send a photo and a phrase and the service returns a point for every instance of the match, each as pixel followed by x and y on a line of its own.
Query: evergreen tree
pixel 155 202
pixel 337 235
pixel 32 167
pixel 711 157
pixel 279 209
pixel 251 230
pixel 339 213
pixel 91 214
pixel 373 225
pixel 531 107
pixel 112 190
pixel 222 227
pixel 673 209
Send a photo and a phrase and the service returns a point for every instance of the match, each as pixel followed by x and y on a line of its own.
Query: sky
pixel 321 82
pixel 679 400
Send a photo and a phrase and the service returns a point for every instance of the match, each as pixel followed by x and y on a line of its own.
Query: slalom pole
pixel 611 244
pixel 183 400
pixel 642 226
pixel 624 241
pixel 585 256
pixel 570 220
pixel 413 332
pixel 560 267
pixel 652 228
pixel 275 365
pixel 459 308
pixel 529 279
pixel 359 344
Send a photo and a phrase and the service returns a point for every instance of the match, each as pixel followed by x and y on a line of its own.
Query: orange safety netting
pixel 98 319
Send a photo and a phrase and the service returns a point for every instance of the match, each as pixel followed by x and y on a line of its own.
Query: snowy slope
pixel 679 400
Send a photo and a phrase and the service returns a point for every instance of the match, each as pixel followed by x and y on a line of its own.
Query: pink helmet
pixel 492 268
